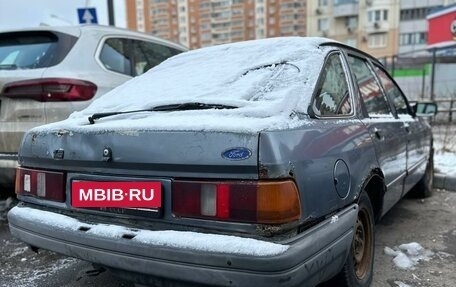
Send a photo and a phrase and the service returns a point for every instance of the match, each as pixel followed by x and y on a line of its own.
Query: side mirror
pixel 425 109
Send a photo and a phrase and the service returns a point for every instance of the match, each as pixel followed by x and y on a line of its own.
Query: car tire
pixel 358 268
pixel 424 187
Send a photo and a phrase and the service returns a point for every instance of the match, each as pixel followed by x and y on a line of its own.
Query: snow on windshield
pixel 268 80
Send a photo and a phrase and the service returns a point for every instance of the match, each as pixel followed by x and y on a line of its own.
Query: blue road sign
pixel 87 16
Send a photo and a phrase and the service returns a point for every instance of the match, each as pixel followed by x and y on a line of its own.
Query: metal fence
pixel 428 75
pixel 446 109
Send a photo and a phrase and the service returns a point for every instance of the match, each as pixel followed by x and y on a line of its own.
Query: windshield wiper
pixel 173 107
pixel 191 106
pixel 8 67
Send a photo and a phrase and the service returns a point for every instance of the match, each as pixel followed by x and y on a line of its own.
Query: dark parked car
pixel 261 163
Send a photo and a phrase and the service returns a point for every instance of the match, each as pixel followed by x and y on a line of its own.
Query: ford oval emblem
pixel 237 153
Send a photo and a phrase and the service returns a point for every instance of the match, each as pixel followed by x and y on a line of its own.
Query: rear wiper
pixel 191 106
pixel 173 107
pixel 8 67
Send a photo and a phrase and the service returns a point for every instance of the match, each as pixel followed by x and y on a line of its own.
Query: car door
pixel 385 129
pixel 329 151
pixel 415 131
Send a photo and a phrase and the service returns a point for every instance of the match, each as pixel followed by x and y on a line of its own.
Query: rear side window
pixel 33 49
pixel 133 57
pixel 148 55
pixel 333 97
pixel 393 92
pixel 115 56
pixel 369 89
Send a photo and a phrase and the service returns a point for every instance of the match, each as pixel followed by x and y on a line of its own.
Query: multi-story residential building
pixel 413 27
pixel 158 17
pixel 370 25
pixel 209 22
pixel 280 18
pixel 162 19
pixel 136 14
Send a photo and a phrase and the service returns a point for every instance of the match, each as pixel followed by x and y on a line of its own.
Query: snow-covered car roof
pixel 268 80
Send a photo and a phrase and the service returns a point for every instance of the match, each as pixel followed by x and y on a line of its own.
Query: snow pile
pixel 445 162
pixel 269 81
pixel 401 284
pixel 406 256
pixel 163 238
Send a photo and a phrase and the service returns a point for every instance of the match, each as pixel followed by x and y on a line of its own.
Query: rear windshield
pixel 33 50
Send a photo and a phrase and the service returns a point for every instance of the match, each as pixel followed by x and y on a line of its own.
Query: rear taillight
pixel 267 202
pixel 40 183
pixel 51 90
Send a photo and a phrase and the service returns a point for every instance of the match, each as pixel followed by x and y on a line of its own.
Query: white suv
pixel 46 73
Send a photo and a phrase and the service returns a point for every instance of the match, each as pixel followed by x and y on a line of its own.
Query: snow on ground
pixel 19 266
pixel 445 162
pixel 18 251
pixel 406 256
pixel 445 149
pixel 401 284
pixel 28 277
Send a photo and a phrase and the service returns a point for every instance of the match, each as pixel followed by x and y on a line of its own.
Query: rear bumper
pixel 309 258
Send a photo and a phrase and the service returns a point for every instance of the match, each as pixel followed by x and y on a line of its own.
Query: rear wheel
pixel 358 269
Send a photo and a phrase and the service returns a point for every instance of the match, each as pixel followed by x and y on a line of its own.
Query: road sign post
pixel 111 13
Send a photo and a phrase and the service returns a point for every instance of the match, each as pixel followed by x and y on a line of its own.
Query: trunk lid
pixel 144 153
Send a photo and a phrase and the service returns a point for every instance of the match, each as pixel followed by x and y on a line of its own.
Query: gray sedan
pixel 260 163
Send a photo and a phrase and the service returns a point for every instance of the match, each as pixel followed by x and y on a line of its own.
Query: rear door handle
pixel 378 134
pixel 407 128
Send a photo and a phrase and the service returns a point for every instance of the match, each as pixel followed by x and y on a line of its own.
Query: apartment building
pixel 205 22
pixel 200 23
pixel 370 25
pixel 158 17
pixel 413 27
pixel 136 14
pixel 280 18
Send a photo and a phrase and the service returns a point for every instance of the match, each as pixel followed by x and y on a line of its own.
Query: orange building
pixel 203 23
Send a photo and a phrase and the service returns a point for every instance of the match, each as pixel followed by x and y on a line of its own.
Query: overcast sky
pixel 31 13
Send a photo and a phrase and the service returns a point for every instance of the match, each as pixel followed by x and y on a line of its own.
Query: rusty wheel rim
pixel 362 244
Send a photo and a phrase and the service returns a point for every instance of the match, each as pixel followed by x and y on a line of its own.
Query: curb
pixel 443 181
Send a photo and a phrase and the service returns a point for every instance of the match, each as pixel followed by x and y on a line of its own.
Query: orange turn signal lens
pixel 277 202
